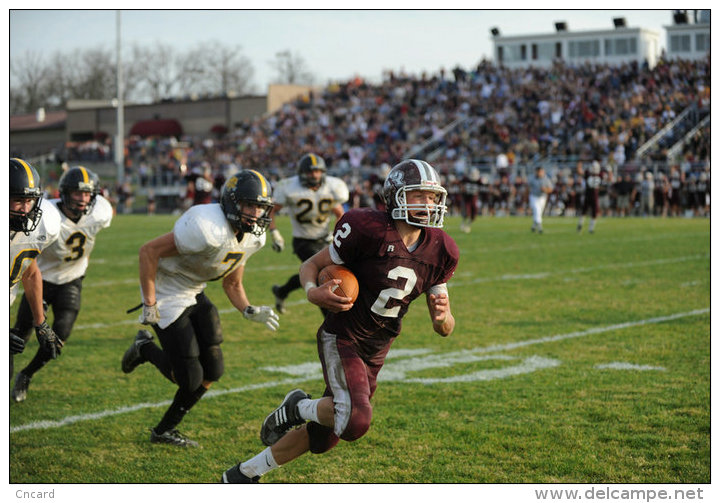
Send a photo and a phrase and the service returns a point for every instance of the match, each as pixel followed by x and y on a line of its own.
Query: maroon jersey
pixel 390 276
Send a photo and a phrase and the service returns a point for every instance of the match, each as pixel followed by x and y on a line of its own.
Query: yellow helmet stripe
pixel 263 183
pixel 84 172
pixel 31 178
pixel 313 159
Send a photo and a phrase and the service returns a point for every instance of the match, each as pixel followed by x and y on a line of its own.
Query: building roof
pixel 29 122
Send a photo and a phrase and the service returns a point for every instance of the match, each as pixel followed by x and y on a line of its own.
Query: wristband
pixel 309 285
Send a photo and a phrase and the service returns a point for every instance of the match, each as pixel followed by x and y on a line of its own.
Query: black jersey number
pixel 76 242
pixel 18 262
pixel 306 206
pixel 233 258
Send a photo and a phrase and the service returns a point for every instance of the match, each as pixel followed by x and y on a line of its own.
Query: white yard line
pixel 457 356
pixel 577 270
pixel 454 283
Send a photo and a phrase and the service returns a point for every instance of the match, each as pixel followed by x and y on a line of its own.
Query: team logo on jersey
pixel 391 248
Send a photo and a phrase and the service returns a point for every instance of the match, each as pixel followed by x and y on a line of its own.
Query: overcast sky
pixel 336 44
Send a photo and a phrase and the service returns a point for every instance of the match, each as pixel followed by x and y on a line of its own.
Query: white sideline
pixel 38 425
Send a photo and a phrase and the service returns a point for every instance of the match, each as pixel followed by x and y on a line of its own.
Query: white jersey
pixel 24 249
pixel 68 257
pixel 208 250
pixel 310 209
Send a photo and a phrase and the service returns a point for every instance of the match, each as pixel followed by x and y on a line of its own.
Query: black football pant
pixel 190 356
pixel 65 301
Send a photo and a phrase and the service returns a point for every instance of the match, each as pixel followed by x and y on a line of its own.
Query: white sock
pixel 308 409
pixel 259 465
pixel 580 221
pixel 592 224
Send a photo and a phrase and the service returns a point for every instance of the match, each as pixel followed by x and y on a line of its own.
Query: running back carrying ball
pixel 349 286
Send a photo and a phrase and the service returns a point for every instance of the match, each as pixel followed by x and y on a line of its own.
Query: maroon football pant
pixel 351 379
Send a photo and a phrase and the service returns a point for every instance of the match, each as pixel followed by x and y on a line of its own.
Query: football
pixel 349 286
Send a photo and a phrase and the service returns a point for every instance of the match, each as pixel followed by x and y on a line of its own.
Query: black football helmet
pixel 25 183
pixel 409 175
pixel 82 179
pixel 247 187
pixel 306 164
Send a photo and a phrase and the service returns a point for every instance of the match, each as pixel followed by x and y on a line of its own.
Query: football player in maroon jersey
pixel 591 202
pixel 397 255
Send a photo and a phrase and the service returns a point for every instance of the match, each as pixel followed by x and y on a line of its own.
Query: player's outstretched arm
pixel 235 291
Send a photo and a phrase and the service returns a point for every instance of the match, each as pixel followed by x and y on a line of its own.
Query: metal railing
pixel 681 123
pixel 676 149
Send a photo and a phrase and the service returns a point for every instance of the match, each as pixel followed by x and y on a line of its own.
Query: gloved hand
pixel 329 238
pixel 262 314
pixel 150 315
pixel 48 340
pixel 278 242
pixel 17 343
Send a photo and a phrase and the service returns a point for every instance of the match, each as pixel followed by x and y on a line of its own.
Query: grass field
pixel 575 359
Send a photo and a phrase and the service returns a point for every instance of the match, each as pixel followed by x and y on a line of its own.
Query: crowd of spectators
pixel 501 120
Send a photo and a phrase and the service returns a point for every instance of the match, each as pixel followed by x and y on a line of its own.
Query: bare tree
pixel 220 69
pixel 98 78
pixel 30 78
pixel 291 69
pixel 149 74
pixel 156 70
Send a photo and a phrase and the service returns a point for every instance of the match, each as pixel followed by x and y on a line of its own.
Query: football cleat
pixel 132 357
pixel 235 476
pixel 279 421
pixel 279 300
pixel 20 388
pixel 172 437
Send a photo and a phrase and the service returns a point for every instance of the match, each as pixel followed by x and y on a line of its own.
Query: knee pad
pixel 213 364
pixel 206 323
pixel 359 422
pixel 68 297
pixel 322 438
pixel 188 374
pixel 63 322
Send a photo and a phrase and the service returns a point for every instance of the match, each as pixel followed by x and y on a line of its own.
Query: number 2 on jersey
pixel 399 272
pixel 380 305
